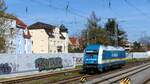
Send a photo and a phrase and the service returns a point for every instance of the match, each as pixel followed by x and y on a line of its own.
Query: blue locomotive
pixel 100 58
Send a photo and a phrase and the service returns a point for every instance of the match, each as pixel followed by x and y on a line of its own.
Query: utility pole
pixel 145 43
pixel 116 33
pixel 87 33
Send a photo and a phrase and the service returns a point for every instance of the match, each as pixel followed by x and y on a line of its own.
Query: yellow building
pixel 47 38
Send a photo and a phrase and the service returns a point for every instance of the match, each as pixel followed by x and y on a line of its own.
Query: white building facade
pixel 15 37
pixel 59 44
pixel 47 38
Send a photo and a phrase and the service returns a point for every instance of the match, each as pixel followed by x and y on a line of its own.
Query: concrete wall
pixel 138 55
pixel 25 63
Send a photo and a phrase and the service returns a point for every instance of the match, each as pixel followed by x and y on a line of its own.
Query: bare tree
pixel 145 40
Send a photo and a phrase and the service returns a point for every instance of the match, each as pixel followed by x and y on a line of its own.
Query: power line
pixel 70 10
pixel 67 9
pixel 62 9
pixel 137 9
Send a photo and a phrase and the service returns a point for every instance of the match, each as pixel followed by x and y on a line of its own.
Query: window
pixel 11 31
pixel 50 50
pixel 92 52
pixel 59 48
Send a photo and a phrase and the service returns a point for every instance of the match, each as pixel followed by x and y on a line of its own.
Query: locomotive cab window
pixel 91 52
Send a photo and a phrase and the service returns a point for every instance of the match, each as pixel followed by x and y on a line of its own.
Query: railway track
pixel 27 79
pixel 76 80
pixel 21 79
pixel 147 81
pixel 112 78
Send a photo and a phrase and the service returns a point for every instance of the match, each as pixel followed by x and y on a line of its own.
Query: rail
pixel 118 76
pixel 34 77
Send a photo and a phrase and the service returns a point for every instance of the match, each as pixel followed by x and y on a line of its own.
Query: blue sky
pixel 133 17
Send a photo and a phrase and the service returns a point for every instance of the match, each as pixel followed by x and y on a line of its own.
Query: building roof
pixel 63 28
pixel 27 35
pixel 48 28
pixel 20 23
pixel 40 25
pixel 74 41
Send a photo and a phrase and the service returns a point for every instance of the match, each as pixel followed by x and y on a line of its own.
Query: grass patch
pixel 136 59
pixel 55 78
pixel 2 78
pixel 79 66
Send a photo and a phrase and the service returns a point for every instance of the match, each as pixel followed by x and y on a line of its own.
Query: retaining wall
pixel 10 63
pixel 138 55
pixel 23 63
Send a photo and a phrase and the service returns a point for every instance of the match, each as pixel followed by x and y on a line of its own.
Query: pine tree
pixel 112 28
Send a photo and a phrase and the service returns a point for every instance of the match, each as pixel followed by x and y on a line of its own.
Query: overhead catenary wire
pixel 137 9
pixel 60 9
pixel 68 9
pixel 111 9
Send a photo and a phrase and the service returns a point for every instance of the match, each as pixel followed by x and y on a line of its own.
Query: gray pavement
pixel 140 77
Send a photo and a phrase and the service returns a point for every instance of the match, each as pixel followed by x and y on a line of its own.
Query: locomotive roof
pixel 97 46
pixel 93 47
pixel 113 48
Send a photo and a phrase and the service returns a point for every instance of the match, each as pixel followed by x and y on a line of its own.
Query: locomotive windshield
pixel 92 52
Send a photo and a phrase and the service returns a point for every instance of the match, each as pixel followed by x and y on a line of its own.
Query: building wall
pixel 39 41
pixel 42 43
pixel 128 46
pixel 66 41
pixel 28 46
pixel 20 41
pixel 15 41
pixel 10 36
pixel 56 42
